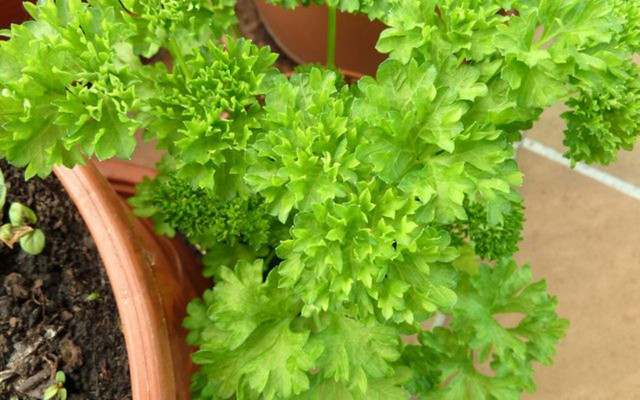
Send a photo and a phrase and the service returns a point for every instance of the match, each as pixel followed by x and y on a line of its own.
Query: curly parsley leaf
pixel 479 332
pixel 490 242
pixel 600 124
pixel 207 120
pixel 202 216
pixel 67 86
pixel 188 24
pixel 254 349
pixel 356 351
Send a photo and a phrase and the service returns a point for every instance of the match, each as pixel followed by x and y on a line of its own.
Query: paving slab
pixel 583 238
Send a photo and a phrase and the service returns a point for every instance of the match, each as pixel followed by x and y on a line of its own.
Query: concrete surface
pixel 582 237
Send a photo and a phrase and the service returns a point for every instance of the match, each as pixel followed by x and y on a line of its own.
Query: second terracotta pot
pixel 302 34
pixel 12 12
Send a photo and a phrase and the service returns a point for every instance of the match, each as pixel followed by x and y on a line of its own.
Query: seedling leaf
pixel 60 377
pixel 21 215
pixel 33 242
pixel 10 234
pixel 51 392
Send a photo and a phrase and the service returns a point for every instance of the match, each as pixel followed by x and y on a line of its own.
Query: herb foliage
pixel 336 219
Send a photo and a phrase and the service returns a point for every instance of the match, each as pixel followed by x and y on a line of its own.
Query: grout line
pixel 591 172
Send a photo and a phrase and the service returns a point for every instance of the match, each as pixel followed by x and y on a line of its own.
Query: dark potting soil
pixel 47 324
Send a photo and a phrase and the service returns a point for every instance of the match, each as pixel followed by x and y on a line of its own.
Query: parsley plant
pixel 336 220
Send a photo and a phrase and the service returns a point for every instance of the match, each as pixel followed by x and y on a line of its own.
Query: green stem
pixel 178 58
pixel 236 30
pixel 331 39
pixel 269 258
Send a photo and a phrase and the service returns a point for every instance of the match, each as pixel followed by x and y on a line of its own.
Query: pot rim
pixel 129 268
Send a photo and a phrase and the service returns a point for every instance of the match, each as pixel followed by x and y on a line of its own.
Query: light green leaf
pixel 242 302
pixel 477 334
pixel 50 392
pixel 6 232
pixel 21 215
pixel 273 361
pixel 33 242
pixel 390 388
pixel 356 352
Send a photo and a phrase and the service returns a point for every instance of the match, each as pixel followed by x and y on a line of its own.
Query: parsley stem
pixel 269 258
pixel 236 31
pixel 331 39
pixel 178 57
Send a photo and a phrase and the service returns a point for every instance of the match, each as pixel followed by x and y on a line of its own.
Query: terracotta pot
pixel 12 12
pixel 153 278
pixel 302 35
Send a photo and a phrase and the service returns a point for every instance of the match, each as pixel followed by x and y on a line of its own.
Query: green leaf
pixel 190 22
pixel 247 344
pixel 443 188
pixel 273 361
pixel 373 9
pixel 6 232
pixel 599 124
pixel 425 364
pixel 515 295
pixel 202 216
pixel 477 334
pixel 21 215
pixel 357 247
pixel 389 388
pixel 535 86
pixel 243 301
pixel 51 392
pixel 60 377
pixel 490 242
pixel 93 296
pixel 67 86
pixel 309 137
pixel 33 242
pixel 385 191
pixel 356 352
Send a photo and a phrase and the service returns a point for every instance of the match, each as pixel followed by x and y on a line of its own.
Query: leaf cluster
pixel 57 390
pixel 537 53
pixel 335 218
pixel 202 216
pixel 19 228
pixel 490 242
pixel 501 319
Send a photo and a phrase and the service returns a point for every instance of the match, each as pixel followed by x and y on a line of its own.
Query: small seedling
pixel 19 229
pixel 57 391
pixel 95 296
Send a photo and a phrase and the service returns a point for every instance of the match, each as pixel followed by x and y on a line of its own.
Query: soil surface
pixel 47 323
